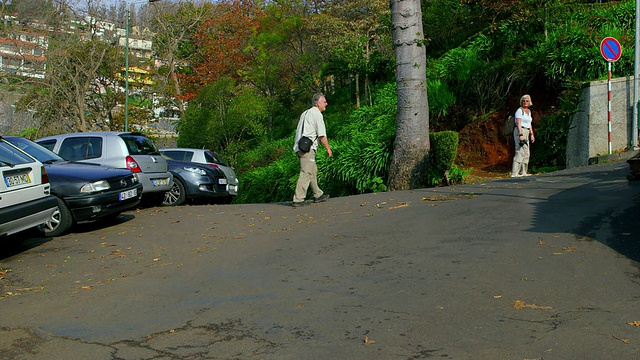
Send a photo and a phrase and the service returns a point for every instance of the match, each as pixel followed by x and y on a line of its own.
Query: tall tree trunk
pixel 412 133
pixel 357 91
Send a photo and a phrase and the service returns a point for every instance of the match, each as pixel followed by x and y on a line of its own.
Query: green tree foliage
pixel 272 182
pixel 448 24
pixel 355 39
pixel 225 117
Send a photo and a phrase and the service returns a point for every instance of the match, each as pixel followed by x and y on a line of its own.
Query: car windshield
pixel 38 151
pixel 11 156
pixel 139 145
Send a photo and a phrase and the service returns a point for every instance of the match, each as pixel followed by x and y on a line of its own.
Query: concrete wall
pixel 589 135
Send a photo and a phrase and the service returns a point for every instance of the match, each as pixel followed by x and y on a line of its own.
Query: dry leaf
pixel 519 304
pixel 542 242
pixel 634 323
pixel 368 341
pixel 626 341
pixel 497 296
pixel 398 207
pixel 569 248
pixel 88 287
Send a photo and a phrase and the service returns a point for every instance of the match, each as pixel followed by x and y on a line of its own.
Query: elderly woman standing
pixel 523 137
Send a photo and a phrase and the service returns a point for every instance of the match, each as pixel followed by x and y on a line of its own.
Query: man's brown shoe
pixel 321 198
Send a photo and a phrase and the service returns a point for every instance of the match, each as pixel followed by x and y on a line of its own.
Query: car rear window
pixel 49 144
pixel 179 155
pixel 11 156
pixel 139 145
pixel 213 157
pixel 81 148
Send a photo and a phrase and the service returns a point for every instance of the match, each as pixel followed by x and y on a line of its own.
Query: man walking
pixel 311 125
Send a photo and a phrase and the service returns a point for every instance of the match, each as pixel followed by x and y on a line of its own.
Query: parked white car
pixel 207 157
pixel 25 198
pixel 125 150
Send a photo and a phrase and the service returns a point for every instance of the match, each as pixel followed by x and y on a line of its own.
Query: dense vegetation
pixel 241 72
pixel 548 51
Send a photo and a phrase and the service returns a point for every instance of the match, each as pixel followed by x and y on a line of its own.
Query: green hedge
pixel 444 149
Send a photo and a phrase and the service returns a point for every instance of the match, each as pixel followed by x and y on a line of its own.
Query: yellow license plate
pixel 160 182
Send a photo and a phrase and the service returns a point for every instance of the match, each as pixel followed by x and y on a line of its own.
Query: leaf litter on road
pixel 519 304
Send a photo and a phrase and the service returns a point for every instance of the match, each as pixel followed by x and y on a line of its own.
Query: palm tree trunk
pixel 412 132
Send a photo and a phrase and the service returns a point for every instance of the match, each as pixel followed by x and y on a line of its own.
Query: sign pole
pixel 609 107
pixel 635 80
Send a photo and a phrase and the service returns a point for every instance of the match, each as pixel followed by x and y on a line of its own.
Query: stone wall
pixel 589 134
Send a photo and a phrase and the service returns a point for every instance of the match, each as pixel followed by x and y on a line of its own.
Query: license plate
pixel 15 180
pixel 222 181
pixel 160 182
pixel 128 194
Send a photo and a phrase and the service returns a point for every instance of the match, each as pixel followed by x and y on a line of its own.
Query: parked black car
pixel 85 192
pixel 193 181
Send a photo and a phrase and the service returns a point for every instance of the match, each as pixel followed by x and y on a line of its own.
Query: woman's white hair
pixel 526 97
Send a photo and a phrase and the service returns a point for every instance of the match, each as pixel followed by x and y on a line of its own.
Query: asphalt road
pixel 544 267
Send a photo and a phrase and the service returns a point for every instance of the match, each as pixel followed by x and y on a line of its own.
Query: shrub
pixel 444 149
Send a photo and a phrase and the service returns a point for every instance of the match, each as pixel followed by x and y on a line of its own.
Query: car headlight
pixel 195 170
pixel 95 186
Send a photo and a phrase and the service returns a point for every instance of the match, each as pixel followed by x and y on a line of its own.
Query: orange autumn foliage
pixel 220 42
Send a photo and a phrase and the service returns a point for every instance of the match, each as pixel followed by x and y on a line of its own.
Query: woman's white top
pixel 525 119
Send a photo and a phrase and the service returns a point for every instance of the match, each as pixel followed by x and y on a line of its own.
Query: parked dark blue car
pixel 85 192
pixel 193 181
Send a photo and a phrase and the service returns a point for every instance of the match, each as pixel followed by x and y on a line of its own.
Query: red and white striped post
pixel 609 109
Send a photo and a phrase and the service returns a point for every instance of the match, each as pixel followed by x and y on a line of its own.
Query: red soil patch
pixel 485 148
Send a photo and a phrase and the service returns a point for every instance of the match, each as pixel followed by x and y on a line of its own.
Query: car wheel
pixel 176 196
pixel 59 223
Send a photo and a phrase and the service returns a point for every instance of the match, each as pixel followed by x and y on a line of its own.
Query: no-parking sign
pixel 610 49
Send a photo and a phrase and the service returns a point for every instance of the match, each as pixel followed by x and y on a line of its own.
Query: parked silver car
pixel 127 150
pixel 207 157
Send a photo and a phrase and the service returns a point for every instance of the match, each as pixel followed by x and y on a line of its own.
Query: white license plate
pixel 128 194
pixel 15 180
pixel 160 182
pixel 222 181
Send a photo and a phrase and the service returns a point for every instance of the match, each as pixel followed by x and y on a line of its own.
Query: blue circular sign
pixel 610 49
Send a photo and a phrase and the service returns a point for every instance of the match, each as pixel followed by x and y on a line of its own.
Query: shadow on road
pixel 18 243
pixel 29 239
pixel 605 209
